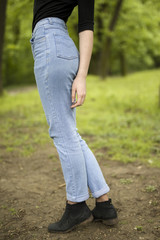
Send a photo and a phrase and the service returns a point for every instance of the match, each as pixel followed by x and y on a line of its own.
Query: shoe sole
pixel 108 222
pixel 88 220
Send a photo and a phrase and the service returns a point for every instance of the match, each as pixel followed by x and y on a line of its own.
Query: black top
pixel 63 9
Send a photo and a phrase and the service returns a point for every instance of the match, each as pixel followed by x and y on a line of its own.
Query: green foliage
pixel 126 180
pixel 139 228
pixel 137 34
pixel 17 57
pixel 136 37
pixel 150 188
pixel 13 211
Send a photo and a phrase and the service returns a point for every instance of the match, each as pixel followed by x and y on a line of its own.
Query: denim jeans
pixel 56 62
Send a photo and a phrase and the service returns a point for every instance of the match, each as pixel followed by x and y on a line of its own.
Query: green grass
pixel 124 115
pixel 150 188
pixel 119 114
pixel 126 180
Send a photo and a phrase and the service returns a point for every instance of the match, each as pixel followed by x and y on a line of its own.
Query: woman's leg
pixel 95 178
pixel 54 76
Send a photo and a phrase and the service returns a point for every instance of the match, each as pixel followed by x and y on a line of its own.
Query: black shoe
pixel 75 214
pixel 105 212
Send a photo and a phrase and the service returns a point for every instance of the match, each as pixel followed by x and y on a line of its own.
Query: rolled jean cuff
pixel 101 192
pixel 78 199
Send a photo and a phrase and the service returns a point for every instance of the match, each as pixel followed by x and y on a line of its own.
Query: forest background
pixel 126 38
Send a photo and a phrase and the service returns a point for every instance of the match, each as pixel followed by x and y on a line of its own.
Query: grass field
pixel 120 116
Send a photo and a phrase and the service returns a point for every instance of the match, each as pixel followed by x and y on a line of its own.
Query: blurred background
pixel 126 38
pixel 123 93
pixel 120 121
pixel 123 99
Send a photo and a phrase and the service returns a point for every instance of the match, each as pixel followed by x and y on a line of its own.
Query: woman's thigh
pixel 56 61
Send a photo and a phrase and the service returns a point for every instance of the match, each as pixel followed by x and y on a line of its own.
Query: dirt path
pixel 32 195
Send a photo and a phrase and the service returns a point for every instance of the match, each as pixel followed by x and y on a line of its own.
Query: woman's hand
pixel 79 87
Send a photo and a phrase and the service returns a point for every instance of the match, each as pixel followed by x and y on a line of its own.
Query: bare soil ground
pixel 32 195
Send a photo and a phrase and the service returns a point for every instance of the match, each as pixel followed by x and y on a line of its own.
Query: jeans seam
pixel 52 109
pixel 57 117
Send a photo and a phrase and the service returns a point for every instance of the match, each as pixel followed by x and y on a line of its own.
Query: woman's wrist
pixel 82 74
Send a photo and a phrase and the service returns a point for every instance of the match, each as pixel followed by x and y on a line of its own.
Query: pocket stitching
pixel 59 53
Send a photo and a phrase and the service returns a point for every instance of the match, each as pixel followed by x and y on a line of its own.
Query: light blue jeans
pixel 56 61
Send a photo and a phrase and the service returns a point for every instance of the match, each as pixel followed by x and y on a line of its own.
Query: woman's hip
pixel 51 38
pixel 56 61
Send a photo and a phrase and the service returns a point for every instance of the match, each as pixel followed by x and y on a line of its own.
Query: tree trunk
pixel 3 5
pixel 123 66
pixel 99 36
pixel 106 49
pixel 95 63
pixel 16 30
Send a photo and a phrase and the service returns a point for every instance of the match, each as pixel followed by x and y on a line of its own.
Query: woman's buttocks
pixel 61 48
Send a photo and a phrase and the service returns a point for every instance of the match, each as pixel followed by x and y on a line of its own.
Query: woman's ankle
pixel 70 202
pixel 102 198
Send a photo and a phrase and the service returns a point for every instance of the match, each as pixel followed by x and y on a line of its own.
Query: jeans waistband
pixel 52 20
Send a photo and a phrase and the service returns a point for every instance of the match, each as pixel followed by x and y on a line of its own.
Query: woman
pixel 60 72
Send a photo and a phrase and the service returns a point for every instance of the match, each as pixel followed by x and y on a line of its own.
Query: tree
pixel 136 39
pixel 105 54
pixel 3 6
pixel 126 38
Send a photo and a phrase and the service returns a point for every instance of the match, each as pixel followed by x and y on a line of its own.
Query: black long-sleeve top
pixel 63 9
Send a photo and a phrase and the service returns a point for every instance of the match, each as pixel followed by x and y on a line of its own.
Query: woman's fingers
pixel 79 88
pixel 80 100
pixel 73 94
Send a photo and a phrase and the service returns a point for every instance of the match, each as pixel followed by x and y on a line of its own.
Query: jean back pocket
pixel 65 46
